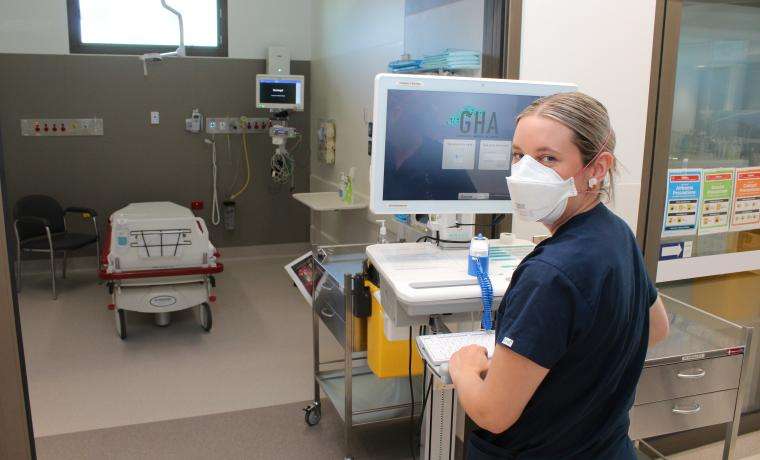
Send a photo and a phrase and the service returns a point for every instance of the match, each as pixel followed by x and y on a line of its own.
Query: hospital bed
pixel 157 258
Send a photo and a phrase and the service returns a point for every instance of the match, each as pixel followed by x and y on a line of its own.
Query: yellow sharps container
pixel 388 356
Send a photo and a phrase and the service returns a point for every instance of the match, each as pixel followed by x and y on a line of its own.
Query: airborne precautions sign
pixel 682 202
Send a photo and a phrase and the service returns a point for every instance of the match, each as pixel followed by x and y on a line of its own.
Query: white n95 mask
pixel 537 192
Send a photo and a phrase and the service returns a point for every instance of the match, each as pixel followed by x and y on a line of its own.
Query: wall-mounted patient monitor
pixel 444 144
pixel 279 92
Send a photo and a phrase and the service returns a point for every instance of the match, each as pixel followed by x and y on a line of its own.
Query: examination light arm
pixel 181 50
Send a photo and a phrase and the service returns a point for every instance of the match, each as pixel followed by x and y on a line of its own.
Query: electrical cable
pixel 486 292
pixel 411 394
pixel 216 218
pixel 236 167
pixel 283 164
pixel 247 170
pixel 439 240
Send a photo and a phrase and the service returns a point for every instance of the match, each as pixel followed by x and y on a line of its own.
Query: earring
pixel 592 182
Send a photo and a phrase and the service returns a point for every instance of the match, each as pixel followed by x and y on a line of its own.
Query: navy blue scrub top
pixel 578 305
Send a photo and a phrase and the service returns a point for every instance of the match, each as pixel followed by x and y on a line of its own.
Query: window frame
pixel 77 47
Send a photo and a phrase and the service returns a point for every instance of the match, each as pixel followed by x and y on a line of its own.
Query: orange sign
pixel 746 209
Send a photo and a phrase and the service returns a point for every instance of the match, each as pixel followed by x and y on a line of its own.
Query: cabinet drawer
pixel 329 305
pixel 681 414
pixel 659 383
pixel 334 322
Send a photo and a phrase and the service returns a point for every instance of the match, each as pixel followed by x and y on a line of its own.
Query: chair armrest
pixel 80 209
pixel 32 220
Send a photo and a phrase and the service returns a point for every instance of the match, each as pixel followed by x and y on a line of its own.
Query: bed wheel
pixel 121 323
pixel 312 414
pixel 204 316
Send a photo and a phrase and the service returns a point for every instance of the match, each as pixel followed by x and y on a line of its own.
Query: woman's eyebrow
pixel 538 150
pixel 546 149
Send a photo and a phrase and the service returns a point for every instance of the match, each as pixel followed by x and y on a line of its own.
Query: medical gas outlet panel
pixel 237 125
pixel 38 127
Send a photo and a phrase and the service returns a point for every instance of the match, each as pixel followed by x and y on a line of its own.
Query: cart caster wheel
pixel 205 317
pixel 121 323
pixel 312 414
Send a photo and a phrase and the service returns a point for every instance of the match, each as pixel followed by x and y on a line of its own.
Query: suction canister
pixel 478 253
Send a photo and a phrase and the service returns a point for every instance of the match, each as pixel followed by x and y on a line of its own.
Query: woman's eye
pixel 516 156
pixel 548 159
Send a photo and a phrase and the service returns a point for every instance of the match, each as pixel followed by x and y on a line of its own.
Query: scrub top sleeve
pixel 539 314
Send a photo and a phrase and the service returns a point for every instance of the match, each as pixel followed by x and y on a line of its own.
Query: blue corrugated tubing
pixel 486 292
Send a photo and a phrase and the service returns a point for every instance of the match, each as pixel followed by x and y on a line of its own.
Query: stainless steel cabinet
pixel 695 378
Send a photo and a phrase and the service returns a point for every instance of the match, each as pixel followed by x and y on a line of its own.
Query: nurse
pixel 573 328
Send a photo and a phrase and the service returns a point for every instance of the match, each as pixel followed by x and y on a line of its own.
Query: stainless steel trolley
pixel 697 377
pixel 358 395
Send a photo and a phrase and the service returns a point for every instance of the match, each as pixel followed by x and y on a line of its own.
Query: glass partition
pixel 713 183
pixel 709 248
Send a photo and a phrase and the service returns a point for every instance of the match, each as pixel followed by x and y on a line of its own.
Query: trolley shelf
pixel 374 399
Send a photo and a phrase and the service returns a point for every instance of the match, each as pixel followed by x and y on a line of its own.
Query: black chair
pixel 40 226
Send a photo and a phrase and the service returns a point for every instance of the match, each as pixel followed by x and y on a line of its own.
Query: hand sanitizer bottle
pixel 342 186
pixel 382 234
pixel 348 196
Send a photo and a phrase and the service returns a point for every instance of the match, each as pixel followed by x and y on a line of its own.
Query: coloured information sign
pixel 746 213
pixel 715 205
pixel 682 202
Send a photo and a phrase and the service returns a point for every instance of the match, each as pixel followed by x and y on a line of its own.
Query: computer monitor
pixel 279 92
pixel 444 144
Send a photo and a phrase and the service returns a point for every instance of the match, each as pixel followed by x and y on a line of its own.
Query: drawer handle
pixel 693 410
pixel 692 374
pixel 326 313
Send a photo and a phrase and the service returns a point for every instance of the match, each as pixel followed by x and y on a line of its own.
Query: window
pixel 144 26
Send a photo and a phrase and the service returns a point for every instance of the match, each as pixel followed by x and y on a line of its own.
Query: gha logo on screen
pixel 472 120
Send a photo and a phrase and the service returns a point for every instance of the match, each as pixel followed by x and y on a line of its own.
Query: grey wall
pixel 135 161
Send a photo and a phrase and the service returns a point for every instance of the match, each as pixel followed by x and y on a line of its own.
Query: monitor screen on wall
pixel 280 92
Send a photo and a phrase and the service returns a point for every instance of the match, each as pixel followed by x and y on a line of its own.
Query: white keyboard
pixel 440 347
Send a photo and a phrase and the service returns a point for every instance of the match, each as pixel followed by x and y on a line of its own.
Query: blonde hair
pixel 587 118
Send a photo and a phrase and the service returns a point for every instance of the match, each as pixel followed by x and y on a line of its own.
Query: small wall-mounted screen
pixel 279 92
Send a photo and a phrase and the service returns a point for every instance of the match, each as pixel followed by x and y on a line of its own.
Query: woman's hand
pixel 469 359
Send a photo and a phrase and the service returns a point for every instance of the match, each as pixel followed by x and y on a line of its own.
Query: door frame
pixel 16 431
pixel 662 83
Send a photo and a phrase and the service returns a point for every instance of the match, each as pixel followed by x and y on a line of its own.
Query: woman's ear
pixel 601 166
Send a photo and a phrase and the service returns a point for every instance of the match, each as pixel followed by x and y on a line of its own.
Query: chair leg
pixel 52 273
pixel 64 265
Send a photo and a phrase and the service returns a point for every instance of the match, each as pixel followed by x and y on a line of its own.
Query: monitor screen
pixel 284 92
pixel 442 145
